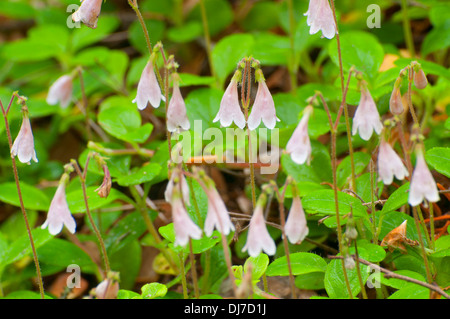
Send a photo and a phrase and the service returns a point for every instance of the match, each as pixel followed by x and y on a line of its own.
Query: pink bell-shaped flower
pixel 258 238
pixel 320 17
pixel 299 145
pixel 88 13
pixel 389 164
pixel 366 118
pixel 177 179
pixel 296 228
pixel 61 91
pixel 217 216
pixel 264 107
pixel 184 227
pixel 230 110
pixel 148 89
pixel 59 213
pixel 176 111
pixel 422 184
pixel 177 194
pixel 23 146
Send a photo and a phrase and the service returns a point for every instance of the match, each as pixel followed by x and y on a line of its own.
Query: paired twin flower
pixel 263 109
pixel 177 194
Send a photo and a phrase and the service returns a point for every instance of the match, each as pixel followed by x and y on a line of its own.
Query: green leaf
pixel 127 229
pixel 14 227
pixel 140 175
pixel 26 294
pixel 188 79
pixel 437 39
pixel 271 49
pixel 301 263
pixel 228 51
pixel 322 202
pixel 400 283
pixel 310 281
pixel 62 253
pixel 120 118
pixel 127 261
pixel 219 14
pixel 33 198
pixel 397 199
pixel 153 290
pixel 373 253
pixel 75 199
pixel 185 33
pixel 258 265
pixel 202 105
pixel 359 49
pixel 439 158
pixel 43 41
pixel 156 28
pixel 82 37
pixel 442 247
pixel 411 292
pixel 334 280
pixel 344 170
pixel 128 294
pixel 21 247
pixel 262 16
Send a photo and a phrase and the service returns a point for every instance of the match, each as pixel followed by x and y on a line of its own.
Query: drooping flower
pixel 420 79
pixel 109 287
pixel 296 228
pixel 320 17
pixel 217 216
pixel 88 13
pixel 105 187
pixel 230 110
pixel 184 227
pixel 389 164
pixel 59 213
pixel 264 107
pixel 176 111
pixel 299 145
pixel 177 179
pixel 422 184
pixel 177 194
pixel 148 89
pixel 395 102
pixel 23 146
pixel 258 238
pixel 61 91
pixel 366 118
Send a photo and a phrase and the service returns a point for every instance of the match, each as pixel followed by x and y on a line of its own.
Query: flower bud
pixel 105 187
pixel 109 287
pixel 420 79
pixel 395 102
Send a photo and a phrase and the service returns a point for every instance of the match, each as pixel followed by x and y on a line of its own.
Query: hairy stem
pixel 19 193
pixel 285 240
pixel 82 176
